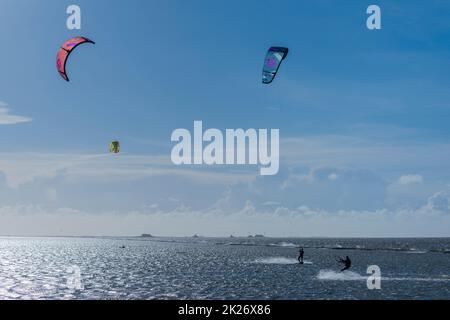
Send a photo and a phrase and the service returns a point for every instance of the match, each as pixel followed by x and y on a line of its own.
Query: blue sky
pixel 363 117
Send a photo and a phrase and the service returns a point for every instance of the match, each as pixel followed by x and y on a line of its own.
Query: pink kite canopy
pixel 65 51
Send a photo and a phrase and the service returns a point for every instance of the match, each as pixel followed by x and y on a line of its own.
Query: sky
pixel 363 118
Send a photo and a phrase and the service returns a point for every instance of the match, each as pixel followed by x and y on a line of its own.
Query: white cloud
pixel 271 203
pixel 52 194
pixel 22 168
pixel 327 186
pixel 440 202
pixel 333 176
pixel 6 118
pixel 410 179
pixel 432 219
pixel 349 151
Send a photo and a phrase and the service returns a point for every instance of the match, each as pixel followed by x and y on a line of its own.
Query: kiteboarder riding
pixel 301 252
pixel 347 263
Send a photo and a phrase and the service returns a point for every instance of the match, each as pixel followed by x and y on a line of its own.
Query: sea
pixel 247 268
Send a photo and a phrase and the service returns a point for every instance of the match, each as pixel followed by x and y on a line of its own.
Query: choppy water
pixel 212 268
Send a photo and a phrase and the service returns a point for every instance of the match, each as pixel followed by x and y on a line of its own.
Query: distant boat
pixel 146 235
pixel 259 236
pixel 195 236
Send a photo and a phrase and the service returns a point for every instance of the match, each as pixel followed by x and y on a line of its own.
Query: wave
pixel 363 248
pixel 414 251
pixel 417 279
pixel 332 247
pixel 393 249
pixel 330 275
pixel 260 244
pixel 243 244
pixel 440 251
pixel 388 249
pixel 279 260
pixel 284 245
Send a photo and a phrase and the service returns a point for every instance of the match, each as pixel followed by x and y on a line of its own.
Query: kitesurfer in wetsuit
pixel 301 252
pixel 347 263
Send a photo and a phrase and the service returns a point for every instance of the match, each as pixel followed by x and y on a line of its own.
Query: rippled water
pixel 211 268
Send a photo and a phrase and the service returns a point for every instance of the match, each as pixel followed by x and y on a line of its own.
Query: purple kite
pixel 65 51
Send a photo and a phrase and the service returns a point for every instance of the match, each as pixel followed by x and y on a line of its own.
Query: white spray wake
pixel 280 260
pixel 330 275
pixel 340 276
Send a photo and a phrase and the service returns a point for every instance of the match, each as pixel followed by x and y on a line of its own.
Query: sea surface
pixel 221 268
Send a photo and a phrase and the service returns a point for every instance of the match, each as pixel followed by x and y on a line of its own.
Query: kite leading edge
pixel 65 51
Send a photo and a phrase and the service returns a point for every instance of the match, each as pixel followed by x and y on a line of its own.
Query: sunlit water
pixel 232 268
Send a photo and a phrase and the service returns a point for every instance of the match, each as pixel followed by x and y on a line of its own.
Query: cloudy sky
pixel 363 118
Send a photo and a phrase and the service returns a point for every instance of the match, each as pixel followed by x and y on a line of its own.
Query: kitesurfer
pixel 347 263
pixel 301 252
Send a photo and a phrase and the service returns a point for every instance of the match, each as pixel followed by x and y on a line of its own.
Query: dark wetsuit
pixel 347 263
pixel 301 252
